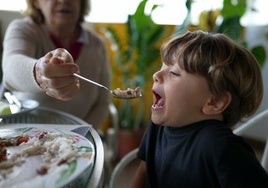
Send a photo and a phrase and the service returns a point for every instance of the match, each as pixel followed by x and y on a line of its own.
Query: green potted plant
pixel 135 58
pixel 230 16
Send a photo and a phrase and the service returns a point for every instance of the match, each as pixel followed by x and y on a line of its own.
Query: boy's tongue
pixel 160 102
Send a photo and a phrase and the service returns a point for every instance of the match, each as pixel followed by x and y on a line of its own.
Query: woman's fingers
pixel 59 82
pixel 54 74
pixel 65 93
pixel 63 54
pixel 53 70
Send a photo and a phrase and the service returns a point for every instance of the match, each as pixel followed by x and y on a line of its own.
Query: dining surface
pixel 41 117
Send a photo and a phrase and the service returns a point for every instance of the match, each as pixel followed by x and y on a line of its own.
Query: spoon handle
pixel 90 81
pixel 12 99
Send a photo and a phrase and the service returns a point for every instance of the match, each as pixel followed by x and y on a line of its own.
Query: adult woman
pixel 32 68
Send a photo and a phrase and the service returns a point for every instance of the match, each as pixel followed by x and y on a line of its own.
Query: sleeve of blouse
pixel 18 64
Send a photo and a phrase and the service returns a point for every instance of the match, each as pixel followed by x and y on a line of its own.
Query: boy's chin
pixel 155 119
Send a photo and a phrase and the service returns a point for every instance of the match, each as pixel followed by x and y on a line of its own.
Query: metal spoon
pixel 16 105
pixel 114 93
pixel 14 108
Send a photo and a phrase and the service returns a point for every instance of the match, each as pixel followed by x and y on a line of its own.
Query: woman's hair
pixel 38 17
pixel 226 66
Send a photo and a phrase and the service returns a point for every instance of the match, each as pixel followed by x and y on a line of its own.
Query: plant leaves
pixel 260 54
pixel 231 27
pixel 233 8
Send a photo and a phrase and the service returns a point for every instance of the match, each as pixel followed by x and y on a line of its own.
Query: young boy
pixel 206 85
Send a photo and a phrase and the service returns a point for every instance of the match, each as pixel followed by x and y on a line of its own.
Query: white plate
pixel 26 176
pixel 28 105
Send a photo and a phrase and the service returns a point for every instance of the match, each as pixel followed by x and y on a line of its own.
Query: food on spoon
pixel 4 108
pixel 128 93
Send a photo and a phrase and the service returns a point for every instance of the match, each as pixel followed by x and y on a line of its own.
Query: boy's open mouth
pixel 159 101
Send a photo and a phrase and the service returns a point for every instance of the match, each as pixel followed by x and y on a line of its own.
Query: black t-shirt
pixel 202 155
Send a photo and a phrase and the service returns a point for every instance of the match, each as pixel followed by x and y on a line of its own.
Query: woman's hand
pixel 54 74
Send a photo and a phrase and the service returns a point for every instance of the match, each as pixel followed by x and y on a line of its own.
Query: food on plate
pixel 128 93
pixel 44 151
pixel 4 108
pixel 3 154
pixel 6 142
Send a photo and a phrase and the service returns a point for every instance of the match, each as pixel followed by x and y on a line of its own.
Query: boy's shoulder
pixel 219 139
pixel 215 133
pixel 215 130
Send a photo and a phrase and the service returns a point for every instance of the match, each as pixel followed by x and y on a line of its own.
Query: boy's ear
pixel 217 104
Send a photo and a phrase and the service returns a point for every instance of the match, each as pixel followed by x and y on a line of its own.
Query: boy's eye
pixel 174 73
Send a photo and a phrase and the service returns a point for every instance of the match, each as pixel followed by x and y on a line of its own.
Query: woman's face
pixel 59 12
pixel 178 96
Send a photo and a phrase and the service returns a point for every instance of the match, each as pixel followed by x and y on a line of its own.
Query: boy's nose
pixel 156 76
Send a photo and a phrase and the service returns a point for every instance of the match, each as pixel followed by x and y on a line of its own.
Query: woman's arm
pixel 140 176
